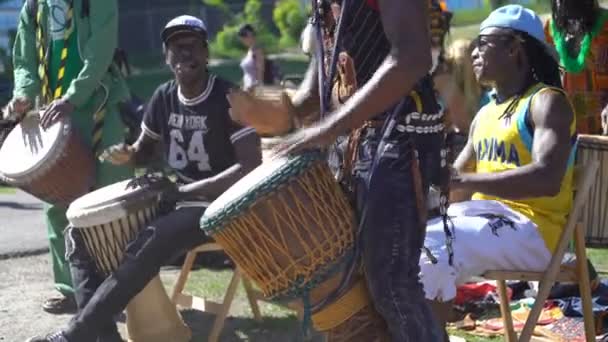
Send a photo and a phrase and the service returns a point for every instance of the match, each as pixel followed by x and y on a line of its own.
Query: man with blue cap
pixel 517 163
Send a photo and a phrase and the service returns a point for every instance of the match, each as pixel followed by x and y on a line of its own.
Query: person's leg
pixel 86 281
pixel 393 232
pixel 56 224
pixel 487 236
pixel 161 240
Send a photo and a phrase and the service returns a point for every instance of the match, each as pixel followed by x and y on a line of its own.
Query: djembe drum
pixel 109 219
pixel 595 214
pixel 53 165
pixel 290 227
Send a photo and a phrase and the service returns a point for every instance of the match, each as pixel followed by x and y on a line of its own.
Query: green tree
pixel 227 44
pixel 219 4
pixel 494 4
pixel 253 14
pixel 290 19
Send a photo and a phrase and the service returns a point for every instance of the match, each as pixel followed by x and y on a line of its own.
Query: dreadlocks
pixel 544 68
pixel 582 12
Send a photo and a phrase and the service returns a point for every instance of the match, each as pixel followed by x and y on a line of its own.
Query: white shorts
pixel 488 235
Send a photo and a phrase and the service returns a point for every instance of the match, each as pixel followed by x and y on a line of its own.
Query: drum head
pixel 27 147
pixel 594 142
pixel 113 202
pixel 262 180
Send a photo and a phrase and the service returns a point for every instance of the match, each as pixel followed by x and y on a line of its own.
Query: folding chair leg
pixel 543 293
pixel 183 276
pixel 253 302
pixel 584 283
pixel 505 311
pixel 224 309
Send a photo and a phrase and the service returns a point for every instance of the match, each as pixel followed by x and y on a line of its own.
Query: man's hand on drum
pixel 267 116
pixel 316 136
pixel 17 108
pixel 170 196
pixel 55 111
pixel 119 154
pixel 605 120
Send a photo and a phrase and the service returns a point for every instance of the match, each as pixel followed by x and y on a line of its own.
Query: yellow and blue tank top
pixel 506 143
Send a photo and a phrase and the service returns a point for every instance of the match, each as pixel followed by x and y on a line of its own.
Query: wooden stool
pixel 222 309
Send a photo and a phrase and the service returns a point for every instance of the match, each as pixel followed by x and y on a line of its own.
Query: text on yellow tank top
pixel 506 143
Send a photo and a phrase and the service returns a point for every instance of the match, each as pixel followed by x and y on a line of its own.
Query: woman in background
pixel 253 64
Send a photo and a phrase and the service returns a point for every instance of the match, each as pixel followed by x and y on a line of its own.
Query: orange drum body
pixel 54 165
pixel 291 229
pixel 595 214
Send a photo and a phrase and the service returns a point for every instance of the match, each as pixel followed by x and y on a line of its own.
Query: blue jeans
pixel 391 201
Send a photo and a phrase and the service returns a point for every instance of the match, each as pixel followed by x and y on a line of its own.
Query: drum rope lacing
pixel 294 166
pixel 273 278
pixel 324 257
pixel 107 243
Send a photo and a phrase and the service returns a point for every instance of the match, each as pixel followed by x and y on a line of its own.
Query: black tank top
pixel 362 37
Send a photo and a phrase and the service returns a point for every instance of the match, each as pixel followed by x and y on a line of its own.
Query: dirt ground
pixel 26 282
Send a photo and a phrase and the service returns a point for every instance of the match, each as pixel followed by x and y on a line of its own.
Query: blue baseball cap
pixel 184 24
pixel 519 18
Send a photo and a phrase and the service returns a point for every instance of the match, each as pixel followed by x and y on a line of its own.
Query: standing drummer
pixel 188 119
pixel 63 55
pixel 382 89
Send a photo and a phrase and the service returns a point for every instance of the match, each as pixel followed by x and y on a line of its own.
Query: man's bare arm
pixel 466 159
pixel 552 116
pixel 407 62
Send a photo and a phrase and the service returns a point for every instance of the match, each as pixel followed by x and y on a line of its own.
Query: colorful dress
pixel 588 89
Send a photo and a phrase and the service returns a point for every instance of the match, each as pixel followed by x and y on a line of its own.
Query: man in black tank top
pixel 187 120
pixel 381 99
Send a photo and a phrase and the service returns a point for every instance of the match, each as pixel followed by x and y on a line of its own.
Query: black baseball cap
pixel 184 24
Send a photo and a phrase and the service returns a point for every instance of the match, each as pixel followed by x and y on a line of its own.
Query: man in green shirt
pixel 63 54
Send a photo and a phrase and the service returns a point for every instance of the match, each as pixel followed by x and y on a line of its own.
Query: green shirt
pixel 97 39
pixel 56 29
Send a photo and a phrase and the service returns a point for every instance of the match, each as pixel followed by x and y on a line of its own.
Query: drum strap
pixel 98 123
pixel 43 68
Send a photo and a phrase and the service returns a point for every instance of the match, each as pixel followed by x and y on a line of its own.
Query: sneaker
pixel 60 305
pixel 56 337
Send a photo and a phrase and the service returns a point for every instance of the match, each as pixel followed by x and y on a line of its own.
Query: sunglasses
pixel 483 41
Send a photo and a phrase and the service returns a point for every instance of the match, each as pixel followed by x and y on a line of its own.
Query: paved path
pixel 22 228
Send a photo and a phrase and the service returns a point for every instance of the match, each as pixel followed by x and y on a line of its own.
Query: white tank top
pixel 249 70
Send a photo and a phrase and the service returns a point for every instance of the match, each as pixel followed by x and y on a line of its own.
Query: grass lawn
pixel 280 324
pixel 4 190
